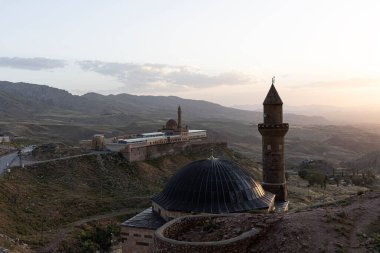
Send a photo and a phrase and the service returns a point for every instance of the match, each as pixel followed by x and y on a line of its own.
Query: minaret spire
pixel 272 97
pixel 179 124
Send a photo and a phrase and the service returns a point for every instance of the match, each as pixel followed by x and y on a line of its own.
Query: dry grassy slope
pixel 302 196
pixel 368 161
pixel 56 193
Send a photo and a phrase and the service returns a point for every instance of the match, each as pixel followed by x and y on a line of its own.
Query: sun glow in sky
pixel 321 52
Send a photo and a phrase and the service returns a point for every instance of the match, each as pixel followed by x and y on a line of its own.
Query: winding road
pixel 7 160
pixel 11 159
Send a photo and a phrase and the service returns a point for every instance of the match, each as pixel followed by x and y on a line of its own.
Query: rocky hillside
pixel 351 225
pixel 49 205
pixel 38 201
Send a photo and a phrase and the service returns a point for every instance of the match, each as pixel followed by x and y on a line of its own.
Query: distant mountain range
pixel 41 114
pixel 335 114
pixel 36 103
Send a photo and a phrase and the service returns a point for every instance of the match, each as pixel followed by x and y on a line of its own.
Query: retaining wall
pixel 164 244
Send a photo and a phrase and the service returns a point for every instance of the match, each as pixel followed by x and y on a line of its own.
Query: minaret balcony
pixel 273 129
pixel 282 125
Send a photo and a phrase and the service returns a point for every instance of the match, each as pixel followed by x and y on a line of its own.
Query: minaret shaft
pixel 273 131
pixel 179 124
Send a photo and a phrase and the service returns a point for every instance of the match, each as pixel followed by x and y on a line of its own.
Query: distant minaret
pixel 179 124
pixel 273 131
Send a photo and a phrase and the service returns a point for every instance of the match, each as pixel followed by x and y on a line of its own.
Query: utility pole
pixel 101 190
pixel 42 231
pixel 20 156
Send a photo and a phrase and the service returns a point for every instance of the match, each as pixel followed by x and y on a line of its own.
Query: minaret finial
pixel 273 80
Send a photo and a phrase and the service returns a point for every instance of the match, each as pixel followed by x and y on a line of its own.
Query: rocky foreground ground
pixel 352 225
pixel 348 225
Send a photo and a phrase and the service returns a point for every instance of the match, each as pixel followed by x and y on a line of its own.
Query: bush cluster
pixel 313 177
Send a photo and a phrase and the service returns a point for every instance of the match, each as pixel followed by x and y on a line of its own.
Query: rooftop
pixel 196 131
pixel 146 219
pixel 272 97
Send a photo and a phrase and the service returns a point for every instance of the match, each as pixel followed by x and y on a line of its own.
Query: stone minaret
pixel 273 131
pixel 179 124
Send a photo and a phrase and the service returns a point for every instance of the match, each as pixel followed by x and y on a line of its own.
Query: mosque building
pixel 216 186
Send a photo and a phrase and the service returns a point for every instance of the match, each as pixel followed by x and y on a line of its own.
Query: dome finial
pixel 212 155
pixel 273 80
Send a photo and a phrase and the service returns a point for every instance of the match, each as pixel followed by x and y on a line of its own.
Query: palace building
pixel 171 139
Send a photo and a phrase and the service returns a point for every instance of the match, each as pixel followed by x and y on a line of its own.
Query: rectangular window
pixel 148 236
pixel 136 235
pixel 269 147
pixel 280 147
pixel 142 243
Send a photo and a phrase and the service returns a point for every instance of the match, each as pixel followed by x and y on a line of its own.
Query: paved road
pixel 28 162
pixel 7 160
pixel 11 159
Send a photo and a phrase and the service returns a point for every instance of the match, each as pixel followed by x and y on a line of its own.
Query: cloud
pixel 153 76
pixel 37 63
pixel 342 84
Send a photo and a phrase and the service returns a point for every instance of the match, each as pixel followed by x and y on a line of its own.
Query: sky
pixel 321 52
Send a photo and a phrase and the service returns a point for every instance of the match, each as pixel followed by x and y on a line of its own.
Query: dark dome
pixel 213 186
pixel 171 124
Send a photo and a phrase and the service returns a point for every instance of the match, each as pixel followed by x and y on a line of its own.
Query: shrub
pixel 313 177
pixel 209 225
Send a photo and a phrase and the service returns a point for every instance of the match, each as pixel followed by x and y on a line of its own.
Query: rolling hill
pixel 24 101
pixel 43 114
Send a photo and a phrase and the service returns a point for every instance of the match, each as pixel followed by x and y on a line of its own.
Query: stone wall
pixel 166 214
pixel 155 151
pixel 137 240
pixel 164 244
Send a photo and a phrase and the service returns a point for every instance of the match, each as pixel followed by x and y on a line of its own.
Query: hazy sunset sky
pixel 321 52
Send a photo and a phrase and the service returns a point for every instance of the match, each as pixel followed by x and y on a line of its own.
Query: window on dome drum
pixel 240 195
pixel 280 147
pixel 269 147
pixel 142 243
